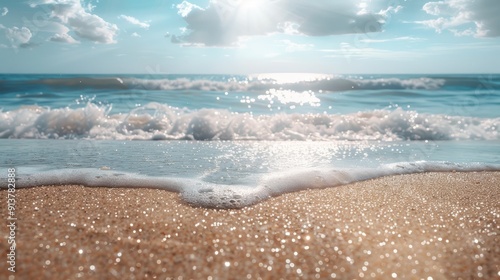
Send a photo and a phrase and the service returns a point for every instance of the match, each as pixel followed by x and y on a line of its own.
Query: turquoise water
pixel 222 136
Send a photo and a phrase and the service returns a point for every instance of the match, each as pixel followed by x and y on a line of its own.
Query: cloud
pixel 135 34
pixel 29 45
pixel 225 22
pixel 63 38
pixel 175 40
pixel 61 33
pixel 135 21
pixel 390 10
pixel 4 11
pixel 477 18
pixel 185 8
pixel 18 37
pixel 78 19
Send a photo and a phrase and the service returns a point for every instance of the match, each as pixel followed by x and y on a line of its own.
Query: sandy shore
pixel 439 225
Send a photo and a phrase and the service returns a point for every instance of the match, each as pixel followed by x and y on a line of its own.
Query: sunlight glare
pixel 291 78
pixel 291 97
pixel 253 13
pixel 251 5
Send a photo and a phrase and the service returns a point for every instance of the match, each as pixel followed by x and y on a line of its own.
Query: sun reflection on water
pixel 290 96
pixel 290 78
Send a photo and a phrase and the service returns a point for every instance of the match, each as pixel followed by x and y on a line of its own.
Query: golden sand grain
pixel 424 226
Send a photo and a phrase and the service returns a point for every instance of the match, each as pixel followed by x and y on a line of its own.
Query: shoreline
pixel 439 225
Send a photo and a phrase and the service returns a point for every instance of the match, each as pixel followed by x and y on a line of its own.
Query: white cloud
pixel 135 21
pixel 288 27
pixel 63 38
pixel 185 8
pixel 478 18
pixel 4 11
pixel 18 37
pixel 225 22
pixel 78 19
pixel 437 8
pixel 390 10
pixel 135 34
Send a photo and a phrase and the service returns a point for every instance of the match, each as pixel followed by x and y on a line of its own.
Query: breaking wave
pixel 328 84
pixel 305 82
pixel 156 121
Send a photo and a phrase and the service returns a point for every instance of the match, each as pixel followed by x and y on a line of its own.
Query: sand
pixel 423 226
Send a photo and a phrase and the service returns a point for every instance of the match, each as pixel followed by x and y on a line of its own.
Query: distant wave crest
pixel 326 84
pixel 305 82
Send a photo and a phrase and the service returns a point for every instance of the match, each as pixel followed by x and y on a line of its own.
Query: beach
pixel 419 226
pixel 240 139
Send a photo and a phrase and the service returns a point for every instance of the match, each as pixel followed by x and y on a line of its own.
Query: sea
pixel 229 141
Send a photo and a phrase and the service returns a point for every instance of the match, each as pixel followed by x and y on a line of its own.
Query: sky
pixel 249 36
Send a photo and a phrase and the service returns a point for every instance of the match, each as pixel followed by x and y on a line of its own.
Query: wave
pixel 156 121
pixel 206 194
pixel 329 84
pixel 326 83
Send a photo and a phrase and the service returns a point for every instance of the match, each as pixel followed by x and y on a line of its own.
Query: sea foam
pixel 206 194
pixel 156 121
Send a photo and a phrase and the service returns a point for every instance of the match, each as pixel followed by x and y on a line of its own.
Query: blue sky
pixel 249 36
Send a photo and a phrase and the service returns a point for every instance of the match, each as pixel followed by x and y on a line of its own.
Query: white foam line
pixel 210 195
pixel 97 178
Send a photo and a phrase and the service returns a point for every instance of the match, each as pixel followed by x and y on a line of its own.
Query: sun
pixel 251 4
pixel 251 7
pixel 253 15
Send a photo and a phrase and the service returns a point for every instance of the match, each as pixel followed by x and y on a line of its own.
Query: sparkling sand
pixel 423 226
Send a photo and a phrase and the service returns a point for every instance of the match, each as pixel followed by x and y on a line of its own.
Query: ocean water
pixel 230 141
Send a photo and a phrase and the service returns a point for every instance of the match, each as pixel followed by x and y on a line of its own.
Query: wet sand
pixel 423 226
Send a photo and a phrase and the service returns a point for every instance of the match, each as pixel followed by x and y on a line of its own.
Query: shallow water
pixel 263 135
pixel 207 173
